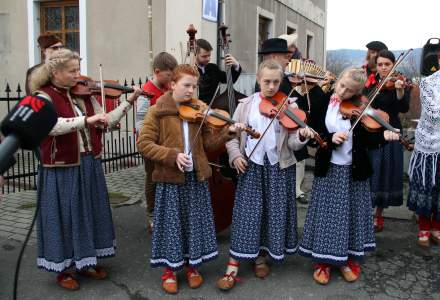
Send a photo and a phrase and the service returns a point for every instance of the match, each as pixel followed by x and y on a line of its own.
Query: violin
pixel 405 143
pixel 353 108
pixel 289 118
pixel 390 83
pixel 194 111
pixel 86 86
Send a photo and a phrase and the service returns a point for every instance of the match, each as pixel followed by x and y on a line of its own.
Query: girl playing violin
pixel 387 161
pixel 339 226
pixel 75 224
pixel 424 170
pixel 264 215
pixel 183 232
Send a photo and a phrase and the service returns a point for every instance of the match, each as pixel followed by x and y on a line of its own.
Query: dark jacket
pixel 209 80
pixel 362 141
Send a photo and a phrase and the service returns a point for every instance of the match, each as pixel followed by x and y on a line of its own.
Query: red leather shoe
pixel 423 238
pixel 67 281
pixel 322 273
pixel 228 281
pixel 379 224
pixel 194 278
pixel 169 282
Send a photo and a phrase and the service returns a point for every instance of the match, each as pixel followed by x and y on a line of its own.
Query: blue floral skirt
pixel 184 230
pixel 424 184
pixel 264 215
pixel 387 179
pixel 74 223
pixel 339 221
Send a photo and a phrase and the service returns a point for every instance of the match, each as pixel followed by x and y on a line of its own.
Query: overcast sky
pixel 401 24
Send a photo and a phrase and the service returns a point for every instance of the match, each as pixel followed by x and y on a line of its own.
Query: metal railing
pixel 119 146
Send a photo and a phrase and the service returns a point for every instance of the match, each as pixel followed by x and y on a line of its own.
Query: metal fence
pixel 119 146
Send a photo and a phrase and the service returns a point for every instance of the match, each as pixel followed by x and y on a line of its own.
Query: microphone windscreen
pixel 31 120
pixel 429 59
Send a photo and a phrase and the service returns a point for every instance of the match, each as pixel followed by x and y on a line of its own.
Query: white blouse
pixel 335 123
pixel 268 145
pixel 186 144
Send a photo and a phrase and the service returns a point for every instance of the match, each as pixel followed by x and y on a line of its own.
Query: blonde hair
pixel 59 59
pixel 270 64
pixel 358 75
pixel 291 39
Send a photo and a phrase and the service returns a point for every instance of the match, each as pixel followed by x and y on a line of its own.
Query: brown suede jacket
pixel 161 139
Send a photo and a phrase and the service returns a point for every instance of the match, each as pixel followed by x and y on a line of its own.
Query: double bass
pixel 221 183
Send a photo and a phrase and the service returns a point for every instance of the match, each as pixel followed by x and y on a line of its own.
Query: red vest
pixel 63 150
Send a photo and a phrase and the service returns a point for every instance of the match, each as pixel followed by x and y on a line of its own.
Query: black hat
pixel 275 45
pixel 376 45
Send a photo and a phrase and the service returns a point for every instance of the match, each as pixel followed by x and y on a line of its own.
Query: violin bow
pixel 204 119
pixel 307 94
pixel 271 121
pixel 377 90
pixel 104 104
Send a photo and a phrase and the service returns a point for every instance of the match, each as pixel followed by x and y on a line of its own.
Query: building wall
pixel 13 43
pixel 177 23
pixel 242 19
pixel 117 33
pixel 117 38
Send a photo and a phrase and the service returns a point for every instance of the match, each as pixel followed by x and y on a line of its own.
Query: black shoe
pixel 302 199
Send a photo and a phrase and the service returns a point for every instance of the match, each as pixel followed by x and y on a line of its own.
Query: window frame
pixel 63 31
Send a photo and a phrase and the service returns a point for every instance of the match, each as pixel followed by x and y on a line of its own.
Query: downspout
pixel 150 33
pixel 219 21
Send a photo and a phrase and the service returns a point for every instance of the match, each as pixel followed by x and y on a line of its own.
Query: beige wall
pixel 13 43
pixel 177 24
pixel 117 35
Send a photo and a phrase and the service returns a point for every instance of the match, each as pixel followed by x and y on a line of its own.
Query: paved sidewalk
pixel 398 269
pixel 17 209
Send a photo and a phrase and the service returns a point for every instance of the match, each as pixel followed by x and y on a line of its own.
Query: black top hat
pixel 376 45
pixel 274 45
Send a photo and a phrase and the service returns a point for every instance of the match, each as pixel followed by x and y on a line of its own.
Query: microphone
pixel 26 125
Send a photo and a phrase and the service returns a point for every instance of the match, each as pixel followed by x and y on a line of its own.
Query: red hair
pixel 185 69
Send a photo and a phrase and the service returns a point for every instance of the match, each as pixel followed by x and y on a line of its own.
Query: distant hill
pixel 338 60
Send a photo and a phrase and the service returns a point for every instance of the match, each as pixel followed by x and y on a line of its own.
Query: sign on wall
pixel 210 10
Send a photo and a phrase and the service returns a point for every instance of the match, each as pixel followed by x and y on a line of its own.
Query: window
pixel 62 19
pixel 264 31
pixel 290 30
pixel 310 46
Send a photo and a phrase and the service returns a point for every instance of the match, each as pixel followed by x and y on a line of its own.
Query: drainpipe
pixel 219 21
pixel 150 33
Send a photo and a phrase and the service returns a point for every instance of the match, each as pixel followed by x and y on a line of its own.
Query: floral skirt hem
pixel 337 260
pixel 82 263
pixel 176 266
pixel 253 256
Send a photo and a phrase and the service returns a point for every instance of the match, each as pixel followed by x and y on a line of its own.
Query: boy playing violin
pixel 339 226
pixel 183 232
pixel 264 215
